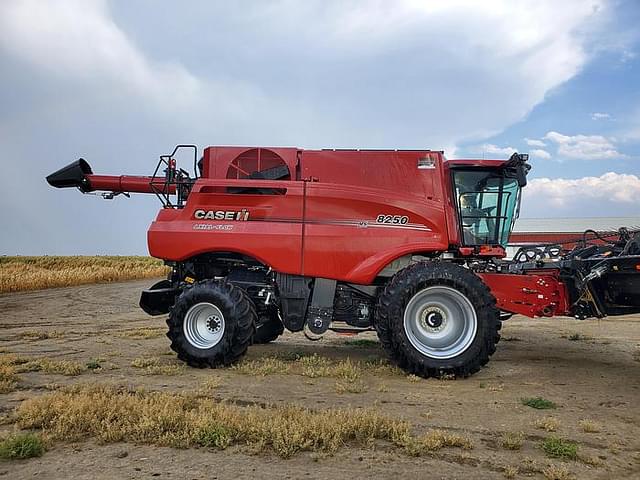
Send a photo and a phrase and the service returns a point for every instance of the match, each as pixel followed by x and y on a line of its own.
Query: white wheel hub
pixel 440 322
pixel 203 325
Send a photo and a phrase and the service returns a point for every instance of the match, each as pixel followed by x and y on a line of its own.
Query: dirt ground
pixel 590 369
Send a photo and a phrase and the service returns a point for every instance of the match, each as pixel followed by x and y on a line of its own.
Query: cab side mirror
pixel 518 168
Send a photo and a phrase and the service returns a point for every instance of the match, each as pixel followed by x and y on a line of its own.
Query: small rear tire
pixel 437 319
pixel 211 324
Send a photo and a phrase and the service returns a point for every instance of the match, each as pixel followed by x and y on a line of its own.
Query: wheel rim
pixel 204 325
pixel 440 322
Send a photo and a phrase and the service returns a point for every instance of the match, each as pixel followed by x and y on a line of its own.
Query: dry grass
pixel 589 426
pixel 510 471
pixel 144 332
pixel 311 366
pixel 165 419
pixel 548 424
pixel 435 440
pixel 382 388
pixel 8 386
pixel 60 367
pixel 209 385
pixel 8 378
pixel 166 370
pixel 346 370
pixel 262 367
pixel 382 367
pixel 591 460
pixel 34 273
pixel 557 472
pixel 512 440
pixel 314 366
pixel 12 359
pixel 614 447
pixel 45 365
pixel 529 465
pixel 109 414
pixel 8 372
pixel 349 386
pixel 144 362
pixel 39 335
pixel 153 366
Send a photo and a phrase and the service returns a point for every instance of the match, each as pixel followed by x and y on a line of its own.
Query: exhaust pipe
pixel 73 175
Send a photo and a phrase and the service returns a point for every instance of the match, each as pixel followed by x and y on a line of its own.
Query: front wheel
pixel 211 324
pixel 438 319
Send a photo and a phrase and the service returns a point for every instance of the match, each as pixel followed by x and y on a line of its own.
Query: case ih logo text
pixel 241 215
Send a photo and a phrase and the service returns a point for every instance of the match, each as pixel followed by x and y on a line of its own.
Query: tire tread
pixel 240 318
pixel 389 314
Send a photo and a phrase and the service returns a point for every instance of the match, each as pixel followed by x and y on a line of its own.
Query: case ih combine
pixel 404 242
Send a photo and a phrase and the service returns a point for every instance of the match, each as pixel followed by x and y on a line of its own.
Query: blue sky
pixel 121 82
pixel 600 101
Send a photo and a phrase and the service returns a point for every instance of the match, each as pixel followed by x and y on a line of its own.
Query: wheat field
pixel 35 273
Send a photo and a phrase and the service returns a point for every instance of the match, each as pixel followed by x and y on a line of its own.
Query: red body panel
pixel 350 189
pixel 536 294
pixel 342 238
pixel 273 235
pixel 325 225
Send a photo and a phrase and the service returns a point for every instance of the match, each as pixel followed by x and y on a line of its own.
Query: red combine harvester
pixel 405 243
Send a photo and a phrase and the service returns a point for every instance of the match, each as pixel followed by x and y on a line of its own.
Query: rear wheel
pixel 438 319
pixel 211 324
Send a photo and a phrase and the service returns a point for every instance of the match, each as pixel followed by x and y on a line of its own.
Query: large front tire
pixel 438 318
pixel 211 324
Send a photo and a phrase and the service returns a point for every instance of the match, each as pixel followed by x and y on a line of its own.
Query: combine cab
pixel 405 243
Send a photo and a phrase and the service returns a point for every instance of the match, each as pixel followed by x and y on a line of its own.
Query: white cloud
pixel 600 116
pixel 628 55
pixel 532 142
pixel 78 41
pixel 491 149
pixel 541 46
pixel 612 188
pixel 539 153
pixel 320 73
pixel 584 147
